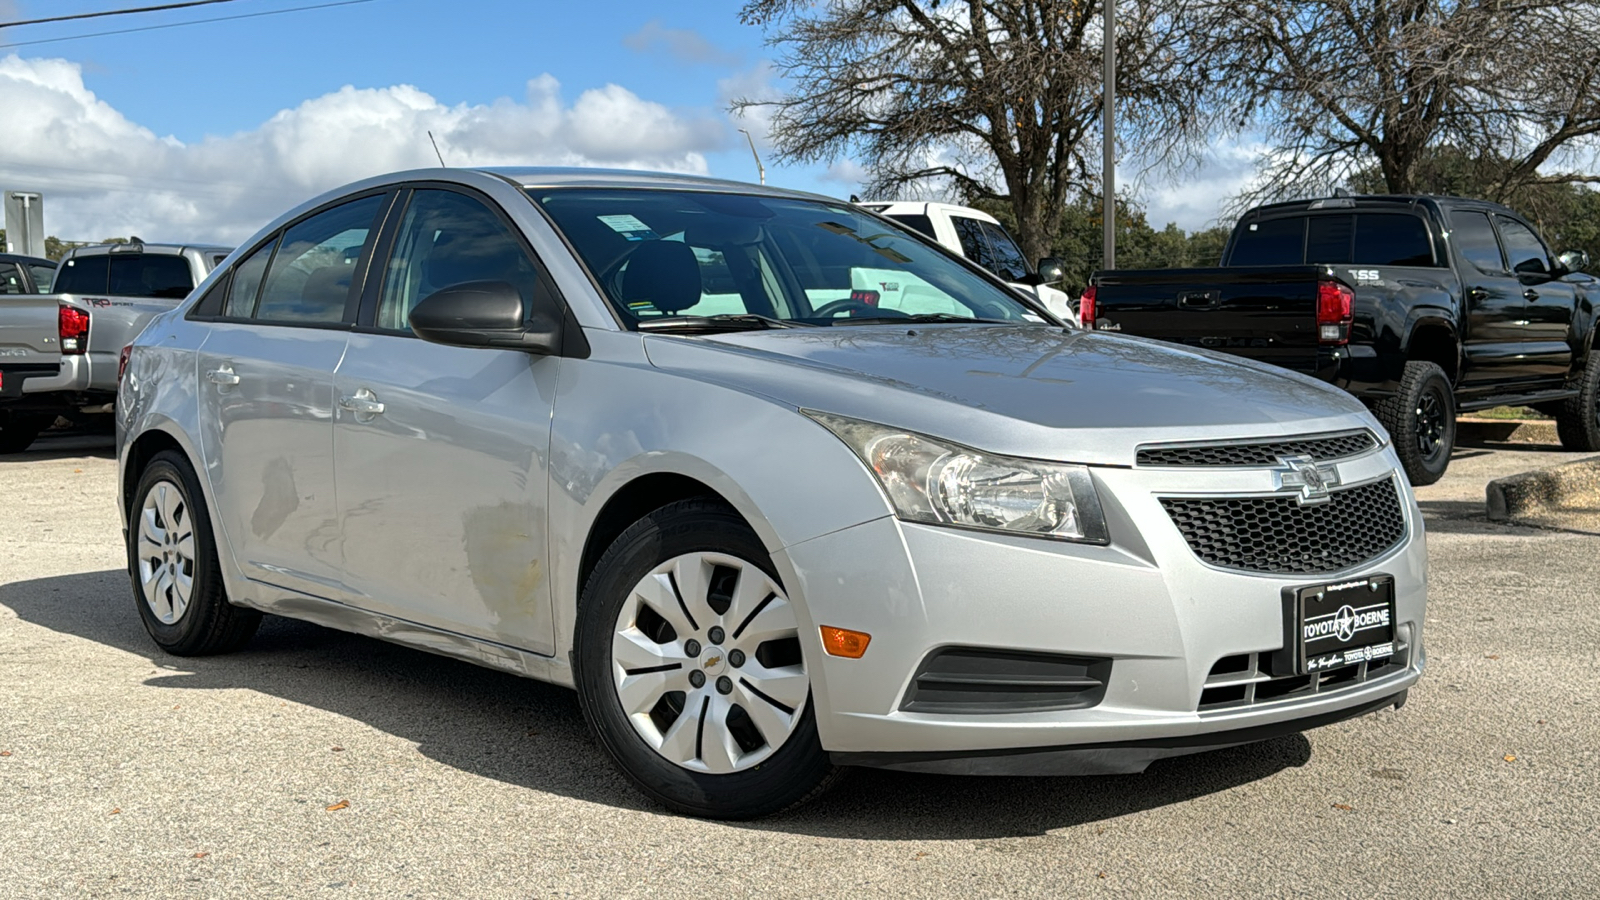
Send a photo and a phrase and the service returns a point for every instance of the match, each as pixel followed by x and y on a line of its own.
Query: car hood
pixel 1027 390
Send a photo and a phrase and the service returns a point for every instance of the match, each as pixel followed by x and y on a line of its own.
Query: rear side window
pixel 246 283
pixel 83 275
pixel 1475 241
pixel 43 278
pixel 1274 242
pixel 1392 240
pixel 917 223
pixel 309 282
pixel 11 279
pixel 1328 238
pixel 150 275
pixel 1009 263
pixel 974 245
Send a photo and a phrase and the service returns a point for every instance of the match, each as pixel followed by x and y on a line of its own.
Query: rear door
pixel 266 394
pixel 1492 347
pixel 1549 304
pixel 442 452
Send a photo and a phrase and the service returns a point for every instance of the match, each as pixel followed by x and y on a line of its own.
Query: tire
pixel 168 514
pixel 19 432
pixel 1578 420
pixel 1421 418
pixel 633 616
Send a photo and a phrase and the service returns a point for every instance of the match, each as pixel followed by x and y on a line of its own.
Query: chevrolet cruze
pixel 778 486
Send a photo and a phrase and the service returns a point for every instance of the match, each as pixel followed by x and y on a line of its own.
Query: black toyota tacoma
pixel 1421 306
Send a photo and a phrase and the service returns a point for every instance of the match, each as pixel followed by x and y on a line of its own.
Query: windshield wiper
pixel 720 322
pixel 917 317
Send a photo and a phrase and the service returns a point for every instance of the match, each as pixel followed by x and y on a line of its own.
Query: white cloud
pixel 759 84
pixel 104 175
pixel 1197 198
pixel 682 44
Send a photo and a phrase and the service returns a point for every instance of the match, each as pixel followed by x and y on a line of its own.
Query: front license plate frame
pixel 1330 626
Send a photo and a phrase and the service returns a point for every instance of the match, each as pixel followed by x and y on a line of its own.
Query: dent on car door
pixel 266 388
pixel 441 451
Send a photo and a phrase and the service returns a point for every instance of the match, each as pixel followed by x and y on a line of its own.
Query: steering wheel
pixel 834 307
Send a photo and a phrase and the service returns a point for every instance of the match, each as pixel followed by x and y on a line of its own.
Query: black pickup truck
pixel 1421 306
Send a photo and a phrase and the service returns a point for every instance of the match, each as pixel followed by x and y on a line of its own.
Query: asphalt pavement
pixel 315 764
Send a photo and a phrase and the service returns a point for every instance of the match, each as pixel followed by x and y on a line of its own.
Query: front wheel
pixel 689 668
pixel 172 560
pixel 1421 418
pixel 1578 419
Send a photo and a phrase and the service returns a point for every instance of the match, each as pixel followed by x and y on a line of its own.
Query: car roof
pixel 1435 203
pixel 160 249
pixel 572 176
pixel 30 260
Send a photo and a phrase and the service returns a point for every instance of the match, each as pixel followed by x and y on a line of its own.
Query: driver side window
pixel 1524 250
pixel 448 239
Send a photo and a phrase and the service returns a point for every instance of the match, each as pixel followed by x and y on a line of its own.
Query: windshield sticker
pixel 629 227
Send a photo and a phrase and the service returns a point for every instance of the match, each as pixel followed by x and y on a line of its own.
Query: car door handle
pixel 363 403
pixel 1530 294
pixel 223 377
pixel 1478 294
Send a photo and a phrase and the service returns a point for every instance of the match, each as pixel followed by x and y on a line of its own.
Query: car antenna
pixel 436 151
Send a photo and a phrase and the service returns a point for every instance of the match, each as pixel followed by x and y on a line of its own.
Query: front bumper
pixel 1146 602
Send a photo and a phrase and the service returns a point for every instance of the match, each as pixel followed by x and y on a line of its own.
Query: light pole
pixel 762 170
pixel 1109 171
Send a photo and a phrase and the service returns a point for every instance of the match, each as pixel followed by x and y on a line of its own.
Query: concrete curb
pixel 1506 431
pixel 1565 497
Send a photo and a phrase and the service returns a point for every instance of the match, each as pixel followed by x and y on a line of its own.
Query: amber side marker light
pixel 844 642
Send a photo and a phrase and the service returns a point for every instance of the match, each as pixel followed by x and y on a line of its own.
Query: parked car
pixel 504 415
pixel 1421 306
pixel 978 236
pixel 59 351
pixel 24 275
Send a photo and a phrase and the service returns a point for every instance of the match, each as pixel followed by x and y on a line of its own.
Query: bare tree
pixel 996 99
pixel 1338 86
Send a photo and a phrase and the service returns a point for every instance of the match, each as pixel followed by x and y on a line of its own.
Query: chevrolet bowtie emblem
pixel 1311 481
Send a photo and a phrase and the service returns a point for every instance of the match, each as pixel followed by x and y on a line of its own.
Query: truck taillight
pixel 122 362
pixel 1086 308
pixel 1335 302
pixel 870 298
pixel 74 330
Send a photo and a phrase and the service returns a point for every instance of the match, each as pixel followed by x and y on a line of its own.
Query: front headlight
pixel 939 483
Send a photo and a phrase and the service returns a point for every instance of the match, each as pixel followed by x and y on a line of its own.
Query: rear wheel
pixel 19 432
pixel 172 560
pixel 1578 419
pixel 689 667
pixel 1421 419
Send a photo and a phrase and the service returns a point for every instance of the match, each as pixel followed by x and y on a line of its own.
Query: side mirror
pixel 484 314
pixel 1051 271
pixel 1573 260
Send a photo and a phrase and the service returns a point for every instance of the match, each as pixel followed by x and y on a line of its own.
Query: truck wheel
pixel 688 666
pixel 1421 419
pixel 172 559
pixel 19 432
pixel 1578 421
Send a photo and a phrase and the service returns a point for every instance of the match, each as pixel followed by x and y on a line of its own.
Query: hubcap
pixel 698 709
pixel 1430 424
pixel 166 552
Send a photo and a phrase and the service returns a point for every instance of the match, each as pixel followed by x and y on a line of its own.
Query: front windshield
pixel 663 255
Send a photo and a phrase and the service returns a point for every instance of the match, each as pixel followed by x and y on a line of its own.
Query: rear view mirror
pixel 1573 260
pixel 484 314
pixel 1051 271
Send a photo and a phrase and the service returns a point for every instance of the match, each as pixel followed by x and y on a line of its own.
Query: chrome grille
pixel 1246 679
pixel 1260 453
pixel 1278 535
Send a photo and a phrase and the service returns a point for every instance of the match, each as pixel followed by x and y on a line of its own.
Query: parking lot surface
pixel 315 763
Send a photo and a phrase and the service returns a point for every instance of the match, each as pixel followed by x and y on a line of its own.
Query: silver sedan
pixel 777 485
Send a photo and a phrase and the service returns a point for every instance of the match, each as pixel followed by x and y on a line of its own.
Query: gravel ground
pixel 318 764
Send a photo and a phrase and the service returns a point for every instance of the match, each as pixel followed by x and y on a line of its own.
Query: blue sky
pixel 207 130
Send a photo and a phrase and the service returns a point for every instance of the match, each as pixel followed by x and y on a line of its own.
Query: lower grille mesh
pixel 1278 535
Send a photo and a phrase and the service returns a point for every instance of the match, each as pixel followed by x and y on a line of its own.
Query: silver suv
pixel 651 437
